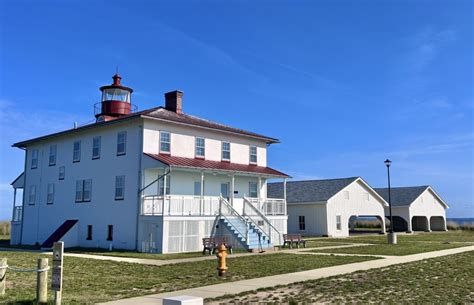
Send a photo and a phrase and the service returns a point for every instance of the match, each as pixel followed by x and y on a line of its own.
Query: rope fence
pixel 24 270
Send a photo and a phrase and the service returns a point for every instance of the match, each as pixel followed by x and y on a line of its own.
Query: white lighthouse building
pixel 157 180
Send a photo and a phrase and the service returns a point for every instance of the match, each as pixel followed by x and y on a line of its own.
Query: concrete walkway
pixel 288 278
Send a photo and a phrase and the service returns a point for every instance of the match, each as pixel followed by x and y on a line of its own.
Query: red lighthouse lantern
pixel 115 101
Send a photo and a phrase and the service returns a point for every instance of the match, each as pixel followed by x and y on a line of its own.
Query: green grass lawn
pixel 406 248
pixel 134 254
pixel 444 280
pixel 319 244
pixel 450 236
pixel 89 281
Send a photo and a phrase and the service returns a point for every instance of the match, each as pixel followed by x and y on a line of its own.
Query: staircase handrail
pixel 265 219
pixel 222 200
pixel 259 228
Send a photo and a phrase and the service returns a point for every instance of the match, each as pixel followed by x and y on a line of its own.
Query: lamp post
pixel 392 238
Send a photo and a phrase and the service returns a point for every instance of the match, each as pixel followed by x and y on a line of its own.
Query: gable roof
pixel 405 196
pixel 159 113
pixel 309 190
pixel 215 165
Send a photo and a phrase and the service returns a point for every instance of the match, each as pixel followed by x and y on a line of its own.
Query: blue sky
pixel 343 84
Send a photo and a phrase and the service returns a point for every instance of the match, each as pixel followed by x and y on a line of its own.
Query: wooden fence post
pixel 3 275
pixel 42 282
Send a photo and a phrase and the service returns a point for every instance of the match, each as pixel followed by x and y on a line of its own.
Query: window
pixel 96 147
pixel 34 158
pixel 52 155
pixel 197 188
pixel 121 143
pixel 200 147
pixel 165 143
pixel 119 187
pixel 32 194
pixel 253 154
pixel 302 223
pixel 83 190
pixel 62 172
pixel 110 232
pixel 89 232
pixel 50 196
pixel 160 187
pixel 253 193
pixel 346 195
pixel 76 155
pixel 366 196
pixel 338 222
pixel 226 151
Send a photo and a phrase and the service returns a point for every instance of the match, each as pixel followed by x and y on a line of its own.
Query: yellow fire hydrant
pixel 221 260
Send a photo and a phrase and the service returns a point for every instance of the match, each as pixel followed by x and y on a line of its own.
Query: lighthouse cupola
pixel 115 102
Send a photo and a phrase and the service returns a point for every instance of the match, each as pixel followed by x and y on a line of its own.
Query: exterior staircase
pixel 59 233
pixel 251 236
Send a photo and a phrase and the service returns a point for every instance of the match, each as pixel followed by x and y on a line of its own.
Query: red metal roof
pixel 216 165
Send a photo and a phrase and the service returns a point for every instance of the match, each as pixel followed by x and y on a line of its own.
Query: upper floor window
pixel 96 147
pixel 34 158
pixel 52 155
pixel 253 154
pixel 346 195
pixel 161 186
pixel 50 195
pixel 226 151
pixel 76 155
pixel 121 143
pixel 302 223
pixel 253 190
pixel 200 147
pixel 62 172
pixel 119 187
pixel 366 196
pixel 83 190
pixel 165 142
pixel 32 194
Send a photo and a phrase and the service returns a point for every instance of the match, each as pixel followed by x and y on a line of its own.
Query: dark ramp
pixel 59 233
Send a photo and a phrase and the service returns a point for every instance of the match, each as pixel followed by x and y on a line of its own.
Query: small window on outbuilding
pixel 302 223
pixel 110 232
pixel 89 232
pixel 338 223
pixel 346 195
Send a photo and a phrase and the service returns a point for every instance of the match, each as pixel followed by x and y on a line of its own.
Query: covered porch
pixel 175 186
pixel 17 213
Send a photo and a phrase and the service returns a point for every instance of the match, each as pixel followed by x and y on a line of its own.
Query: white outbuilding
pixel 415 208
pixel 328 207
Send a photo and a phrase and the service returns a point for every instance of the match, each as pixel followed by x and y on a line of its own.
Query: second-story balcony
pixel 185 205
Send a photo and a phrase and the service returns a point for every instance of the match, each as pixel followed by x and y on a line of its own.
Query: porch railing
pixel 261 221
pixel 269 206
pixel 17 213
pixel 180 205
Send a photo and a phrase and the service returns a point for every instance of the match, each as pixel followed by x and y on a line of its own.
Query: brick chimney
pixel 174 101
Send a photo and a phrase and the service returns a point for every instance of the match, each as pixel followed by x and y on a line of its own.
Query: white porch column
pixel 259 193
pixel 428 225
pixel 284 189
pixel 14 203
pixel 232 188
pixel 202 193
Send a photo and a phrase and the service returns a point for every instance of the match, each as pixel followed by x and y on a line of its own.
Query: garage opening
pixel 365 225
pixel 437 223
pixel 419 223
pixel 399 223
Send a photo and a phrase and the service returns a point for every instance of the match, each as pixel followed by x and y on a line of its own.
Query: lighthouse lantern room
pixel 116 101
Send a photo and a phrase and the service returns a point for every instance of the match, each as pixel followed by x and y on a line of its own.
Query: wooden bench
pixel 210 244
pixel 293 239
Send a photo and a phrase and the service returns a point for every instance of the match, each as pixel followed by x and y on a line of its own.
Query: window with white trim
pixel 52 154
pixel 50 195
pixel 200 150
pixel 366 196
pixel 161 183
pixel 32 195
pixel 302 223
pixel 83 190
pixel 119 187
pixel 253 190
pixel 96 147
pixel 346 195
pixel 62 172
pixel 226 151
pixel 76 155
pixel 34 158
pixel 165 142
pixel 121 143
pixel 253 154
pixel 338 223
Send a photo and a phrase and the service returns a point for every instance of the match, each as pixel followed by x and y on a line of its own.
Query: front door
pixel 225 190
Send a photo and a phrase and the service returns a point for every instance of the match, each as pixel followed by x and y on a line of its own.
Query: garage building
pixel 328 207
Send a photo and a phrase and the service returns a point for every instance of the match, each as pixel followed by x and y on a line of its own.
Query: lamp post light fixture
pixel 392 237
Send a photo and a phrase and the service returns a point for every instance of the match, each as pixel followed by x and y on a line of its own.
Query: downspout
pixel 23 201
pixel 139 201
